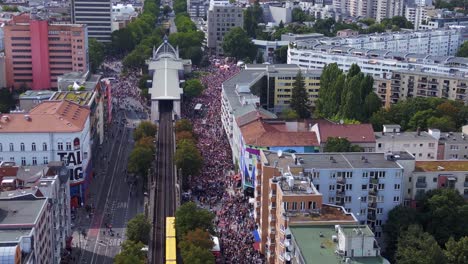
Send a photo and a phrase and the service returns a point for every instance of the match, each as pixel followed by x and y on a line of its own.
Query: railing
pixel 421 184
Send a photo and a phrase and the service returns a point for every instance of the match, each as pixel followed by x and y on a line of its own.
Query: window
pixel 398 174
pixel 453 147
pixel 60 146
pixel 45 160
pixel 12 159
pixel 381 186
pixel 23 161
pixel 397 186
pixel 363 211
pixel 431 145
pixel 348 186
pixel 365 174
pixel 331 187
pixel 348 210
pixel 294 206
pixel 250 166
pixel 347 199
pixel 285 205
pixel 22 146
pixel 33 146
pixel 34 161
pixel 68 145
pixel 380 199
pixel 302 206
pixel 364 187
pixel 396 199
pixel 1 147
pixel 331 199
pixel 363 199
pixel 434 179
pixel 379 210
pixel 317 186
pixel 379 145
pixel 12 148
pixel 378 222
pixel 44 146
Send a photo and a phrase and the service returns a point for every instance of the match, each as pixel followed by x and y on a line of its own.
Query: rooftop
pixel 404 136
pixel 349 160
pixel 453 137
pixel 351 230
pixel 47 117
pixel 260 133
pixel 355 133
pixel 34 94
pixel 317 246
pixel 14 235
pixel 18 213
pixel 327 214
pixel 442 165
pixel 79 97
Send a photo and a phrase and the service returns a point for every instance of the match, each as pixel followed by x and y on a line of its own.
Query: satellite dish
pixel 280 153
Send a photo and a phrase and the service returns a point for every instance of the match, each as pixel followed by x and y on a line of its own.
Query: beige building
pixel 388 9
pixel 222 16
pixel 431 175
pixel 401 85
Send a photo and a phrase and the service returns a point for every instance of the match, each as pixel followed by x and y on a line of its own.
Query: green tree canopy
pixel 281 54
pixel 131 253
pixel 140 160
pixel 193 88
pixel 96 54
pixel 238 44
pixel 198 255
pixel 463 50
pixel 180 6
pixel 457 251
pixel 166 10
pixel 138 229
pixel 335 144
pixel 188 158
pixel 145 129
pixel 289 114
pixel 416 246
pixel 253 15
pixel 7 102
pixel 298 15
pixel 197 237
pixel 300 98
pixel 183 125
pixel 189 217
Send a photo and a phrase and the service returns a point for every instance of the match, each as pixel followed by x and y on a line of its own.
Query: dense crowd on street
pixel 215 188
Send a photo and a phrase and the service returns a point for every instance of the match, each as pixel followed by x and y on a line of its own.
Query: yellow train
pixel 171 245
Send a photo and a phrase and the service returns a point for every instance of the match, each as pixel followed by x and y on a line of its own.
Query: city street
pixel 116 197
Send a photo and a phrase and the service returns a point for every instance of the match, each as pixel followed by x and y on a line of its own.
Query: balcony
pixel 340 193
pixel 373 192
pixel 371 217
pixel 340 180
pixel 421 184
pixel 372 205
pixel 422 80
pixel 339 202
pixel 374 180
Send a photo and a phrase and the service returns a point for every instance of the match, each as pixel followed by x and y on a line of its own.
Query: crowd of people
pixel 215 187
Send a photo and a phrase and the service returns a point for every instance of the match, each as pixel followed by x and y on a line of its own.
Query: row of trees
pixel 346 96
pixel 142 154
pixel 423 113
pixel 193 88
pixel 138 235
pixel 194 227
pixel 188 38
pixel 238 44
pixel 180 6
pixel 435 232
pixel 187 156
pixel 463 50
pixel 7 101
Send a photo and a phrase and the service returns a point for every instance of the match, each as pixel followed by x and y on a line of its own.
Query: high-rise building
pixel 222 16
pixel 36 51
pixel 97 15
pixel 388 9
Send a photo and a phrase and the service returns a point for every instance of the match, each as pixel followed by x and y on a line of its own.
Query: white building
pixel 122 15
pixel 417 14
pixel 197 8
pixel 52 131
pixel 222 16
pixel 267 48
pixel 378 63
pixel 388 9
pixel 421 144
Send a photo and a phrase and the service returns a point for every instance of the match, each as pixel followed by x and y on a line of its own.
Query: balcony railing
pixel 372 205
pixel 371 217
pixel 421 184
pixel 340 180
pixel 373 192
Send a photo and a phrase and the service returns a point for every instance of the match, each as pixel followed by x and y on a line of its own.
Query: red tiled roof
pixel 259 133
pixel 357 133
pixel 49 116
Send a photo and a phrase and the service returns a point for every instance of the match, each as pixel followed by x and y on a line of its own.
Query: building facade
pixel 97 15
pixel 198 8
pixel 222 16
pixel 38 51
pixel 52 131
pixel 388 9
pixel 267 48
pixel 453 145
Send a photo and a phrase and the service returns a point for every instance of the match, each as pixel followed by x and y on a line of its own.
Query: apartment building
pixel 51 182
pixel 222 16
pixel 38 51
pixel 26 227
pixel 366 184
pixel 378 63
pixel 388 9
pixel 354 8
pixel 267 48
pixel 122 15
pixel 198 8
pixel 418 15
pixel 331 244
pixel 453 145
pixel 421 144
pixel 97 15
pixel 431 175
pixel 52 131
pixel 2 70
pixel 361 135
pixel 400 85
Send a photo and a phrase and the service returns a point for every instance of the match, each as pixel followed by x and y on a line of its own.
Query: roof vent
pixel 27 117
pixel 440 168
pixel 6 118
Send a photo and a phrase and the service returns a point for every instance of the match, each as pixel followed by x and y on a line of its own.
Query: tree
pixel 140 160
pixel 145 129
pixel 166 10
pixel 253 15
pixel 188 158
pixel 331 87
pixel 131 253
pixel 259 58
pixel 96 54
pixel 183 125
pixel 289 114
pixel 138 229
pixel 197 237
pixel 351 103
pixel 372 104
pixel 281 54
pixel 180 6
pixel 300 97
pixel 463 50
pixel 298 15
pixel 416 246
pixel 336 144
pixel 193 88
pixel 7 102
pixel 146 142
pixel 238 44
pixel 457 251
pixel 444 123
pixel 184 135
pixel 198 255
pixel 419 119
pixel 190 217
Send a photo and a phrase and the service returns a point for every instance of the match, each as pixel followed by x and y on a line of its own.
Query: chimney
pixel 418 130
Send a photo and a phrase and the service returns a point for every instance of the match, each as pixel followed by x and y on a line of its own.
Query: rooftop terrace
pixel 328 213
pixel 442 165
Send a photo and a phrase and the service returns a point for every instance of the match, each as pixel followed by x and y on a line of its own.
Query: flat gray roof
pixel 19 213
pixel 454 138
pixel 351 160
pixel 403 136
pixel 14 235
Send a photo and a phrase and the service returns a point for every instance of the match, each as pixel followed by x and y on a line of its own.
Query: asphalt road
pixel 116 196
